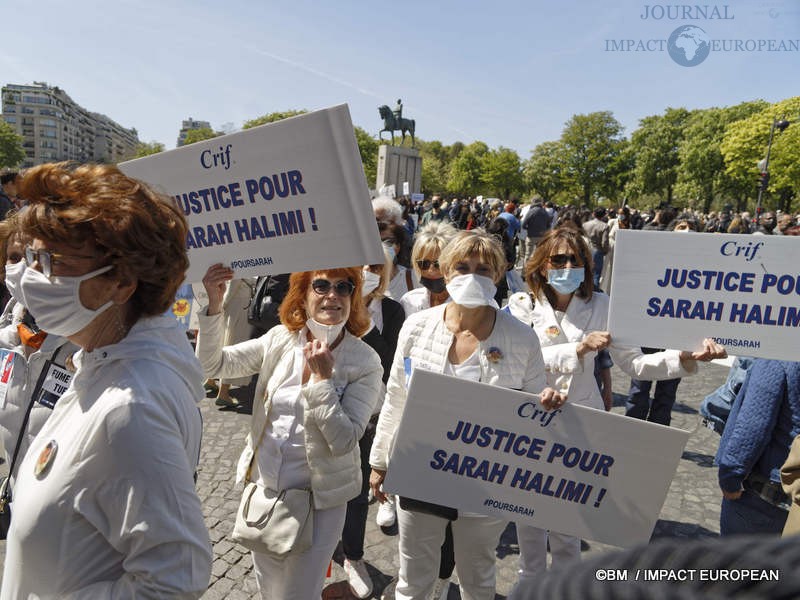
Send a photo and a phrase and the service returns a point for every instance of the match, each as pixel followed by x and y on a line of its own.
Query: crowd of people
pixel 100 422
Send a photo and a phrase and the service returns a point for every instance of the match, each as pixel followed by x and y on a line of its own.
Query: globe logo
pixel 689 45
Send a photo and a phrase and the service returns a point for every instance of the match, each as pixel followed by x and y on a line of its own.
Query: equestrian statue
pixel 393 120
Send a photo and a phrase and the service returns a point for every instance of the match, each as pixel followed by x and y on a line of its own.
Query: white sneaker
pixel 386 514
pixel 441 589
pixel 358 578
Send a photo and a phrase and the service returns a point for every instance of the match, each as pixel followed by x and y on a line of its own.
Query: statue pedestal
pixel 398 165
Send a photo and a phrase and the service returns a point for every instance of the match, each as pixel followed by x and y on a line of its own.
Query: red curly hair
pixel 292 311
pixel 143 233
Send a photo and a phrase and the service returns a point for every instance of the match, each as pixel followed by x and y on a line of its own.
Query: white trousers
pixel 533 551
pixel 474 540
pixel 301 576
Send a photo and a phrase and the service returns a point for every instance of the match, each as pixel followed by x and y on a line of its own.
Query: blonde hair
pixel 431 240
pixel 474 243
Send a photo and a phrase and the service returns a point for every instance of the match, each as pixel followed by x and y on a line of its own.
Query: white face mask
pixel 56 304
pixel 13 275
pixel 324 333
pixel 472 290
pixel 371 281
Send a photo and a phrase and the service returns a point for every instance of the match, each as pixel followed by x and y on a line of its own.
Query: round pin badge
pixel 46 457
pixel 552 331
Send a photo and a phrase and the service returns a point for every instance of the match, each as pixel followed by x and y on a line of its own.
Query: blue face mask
pixel 565 281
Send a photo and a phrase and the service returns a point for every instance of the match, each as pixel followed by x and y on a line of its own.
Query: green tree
pixel 702 175
pixel 464 178
pixel 655 147
pixel 501 172
pixel 745 144
pixel 148 148
pixel 544 170
pixel 272 117
pixel 368 149
pixel 11 151
pixel 592 145
pixel 435 166
pixel 198 135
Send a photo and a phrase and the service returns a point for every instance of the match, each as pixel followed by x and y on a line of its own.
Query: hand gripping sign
pixel 494 451
pixel 279 198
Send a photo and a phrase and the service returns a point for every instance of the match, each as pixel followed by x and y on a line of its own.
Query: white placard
pixel 406 189
pixel 671 290
pixel 576 470
pixel 279 198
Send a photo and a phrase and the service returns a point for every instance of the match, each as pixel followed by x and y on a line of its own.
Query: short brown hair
pixel 143 233
pixel 541 257
pixel 292 311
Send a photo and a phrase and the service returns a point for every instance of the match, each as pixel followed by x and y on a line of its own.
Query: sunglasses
pixel 343 289
pixel 47 259
pixel 426 264
pixel 560 260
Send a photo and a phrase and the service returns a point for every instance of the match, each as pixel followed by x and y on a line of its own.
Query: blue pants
pixel 597 261
pixel 657 410
pixel 750 514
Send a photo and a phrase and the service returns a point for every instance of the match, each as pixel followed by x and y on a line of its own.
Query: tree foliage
pixel 199 135
pixel 464 178
pixel 148 148
pixel 592 143
pixel 745 143
pixel 702 175
pixel 272 117
pixel 368 149
pixel 544 171
pixel 655 145
pixel 11 151
pixel 501 172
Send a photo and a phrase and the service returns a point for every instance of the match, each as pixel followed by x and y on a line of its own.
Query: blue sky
pixel 508 73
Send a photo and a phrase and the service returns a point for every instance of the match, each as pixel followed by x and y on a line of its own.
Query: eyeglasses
pixel 426 264
pixel 561 260
pixel 47 259
pixel 343 288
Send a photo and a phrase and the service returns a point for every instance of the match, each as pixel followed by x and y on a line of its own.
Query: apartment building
pixel 54 127
pixel 189 124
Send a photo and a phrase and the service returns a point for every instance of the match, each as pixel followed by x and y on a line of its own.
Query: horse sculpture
pixel 392 124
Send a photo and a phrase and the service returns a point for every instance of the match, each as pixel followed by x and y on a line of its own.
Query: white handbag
pixel 274 523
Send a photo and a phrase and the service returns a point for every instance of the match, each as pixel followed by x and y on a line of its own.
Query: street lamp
pixel 763 165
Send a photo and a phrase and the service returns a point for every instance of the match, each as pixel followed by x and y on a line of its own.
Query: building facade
pixel 188 125
pixel 54 127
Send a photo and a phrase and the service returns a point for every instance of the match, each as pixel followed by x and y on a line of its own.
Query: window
pixel 11 119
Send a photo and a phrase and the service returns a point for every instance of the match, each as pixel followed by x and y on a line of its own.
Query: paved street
pixel 691 508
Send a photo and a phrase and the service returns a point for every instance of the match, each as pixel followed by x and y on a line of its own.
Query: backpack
pixel 268 293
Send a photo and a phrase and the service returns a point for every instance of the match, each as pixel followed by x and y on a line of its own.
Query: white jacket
pixel 565 371
pixel 425 341
pixel 116 514
pixel 335 411
pixel 25 381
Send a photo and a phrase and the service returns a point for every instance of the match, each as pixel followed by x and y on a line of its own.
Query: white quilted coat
pixel 425 341
pixel 336 410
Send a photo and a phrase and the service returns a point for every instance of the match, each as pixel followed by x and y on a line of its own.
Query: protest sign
pixel 671 290
pixel 279 198
pixel 494 451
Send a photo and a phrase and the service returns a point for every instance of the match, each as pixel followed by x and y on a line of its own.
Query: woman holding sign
pixel 317 386
pixel 471 339
pixel 570 320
